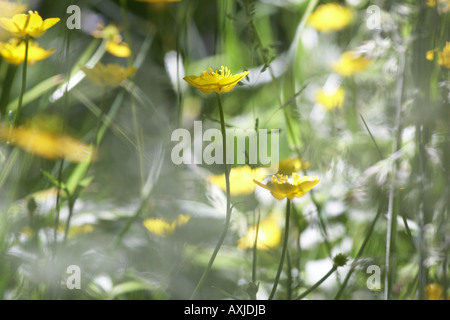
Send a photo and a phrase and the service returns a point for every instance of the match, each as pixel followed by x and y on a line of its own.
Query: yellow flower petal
pixel 282 187
pixel 14 52
pixel 331 99
pixel 269 235
pixel 218 81
pixel 161 227
pixel 108 75
pixel 350 63
pixel 433 291
pixel 241 179
pixel 47 145
pixel 121 50
pixel 31 24
pixel 289 165
pixel 330 17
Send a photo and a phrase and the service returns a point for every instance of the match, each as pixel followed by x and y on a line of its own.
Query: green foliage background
pixel 385 152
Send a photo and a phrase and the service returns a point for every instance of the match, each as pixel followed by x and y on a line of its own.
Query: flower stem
pixel 24 81
pixel 228 213
pixel 317 284
pixel 283 251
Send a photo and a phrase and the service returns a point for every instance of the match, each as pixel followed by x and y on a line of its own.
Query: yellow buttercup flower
pixel 162 228
pixel 433 291
pixel 8 10
pixel 443 56
pixel 115 44
pixel 14 52
pixel 330 17
pixel 108 75
pixel 291 165
pixel 241 179
pixel 218 81
pixel 269 235
pixel 350 63
pixel 331 99
pixel 46 144
pixel 31 24
pixel 281 186
pixel 121 49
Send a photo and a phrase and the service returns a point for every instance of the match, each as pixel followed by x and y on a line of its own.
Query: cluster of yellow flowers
pixel 23 26
pixel 332 17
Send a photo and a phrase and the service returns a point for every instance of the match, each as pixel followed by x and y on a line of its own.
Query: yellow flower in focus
pixel 163 228
pixel 218 81
pixel 330 17
pixel 47 145
pixel 269 235
pixel 289 166
pixel 350 63
pixel 281 186
pixel 31 24
pixel 108 75
pixel 14 52
pixel 114 44
pixel 331 99
pixel 433 291
pixel 241 179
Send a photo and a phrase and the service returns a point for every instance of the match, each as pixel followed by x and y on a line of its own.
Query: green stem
pixel 6 88
pixel 24 81
pixel 317 284
pixel 360 252
pixel 228 213
pixel 255 249
pixel 283 252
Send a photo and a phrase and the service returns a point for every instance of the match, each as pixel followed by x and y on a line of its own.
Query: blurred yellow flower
pixel 121 49
pixel 108 75
pixel 350 63
pixel 269 235
pixel 218 81
pixel 9 9
pixel 433 291
pixel 14 52
pixel 31 24
pixel 331 99
pixel 281 186
pixel 443 6
pixel 330 17
pixel 241 179
pixel 115 44
pixel 83 229
pixel 443 56
pixel 163 228
pixel 47 145
pixel 291 165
